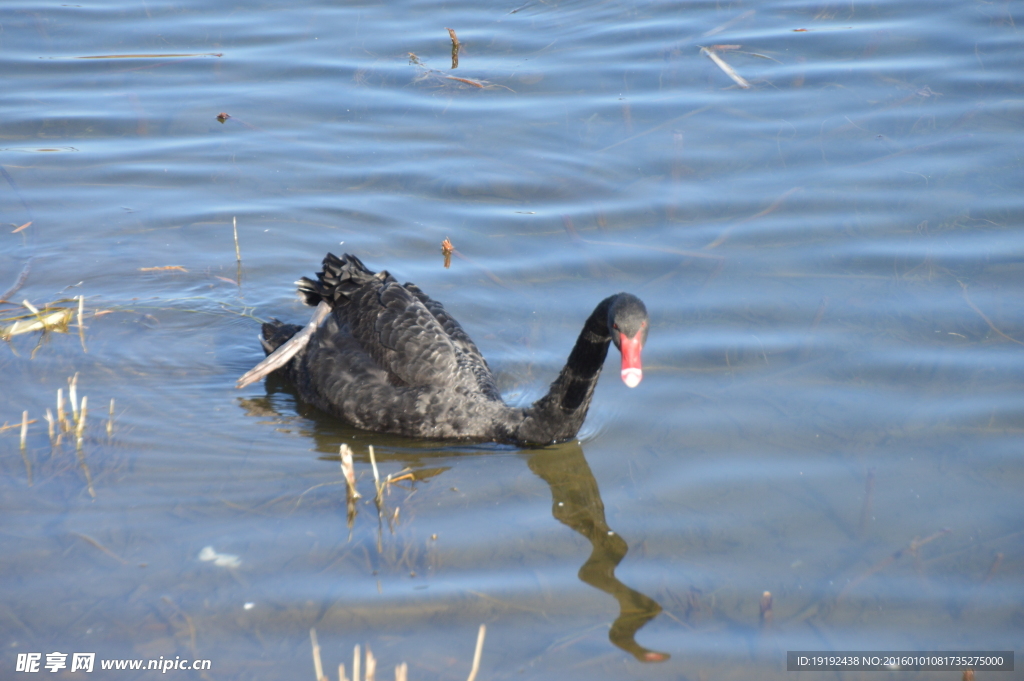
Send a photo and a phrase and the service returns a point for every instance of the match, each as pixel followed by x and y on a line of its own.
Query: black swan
pixel 390 359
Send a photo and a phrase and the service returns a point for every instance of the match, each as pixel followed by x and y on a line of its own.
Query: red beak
pixel 632 372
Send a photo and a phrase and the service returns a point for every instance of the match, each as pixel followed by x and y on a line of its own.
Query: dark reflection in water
pixel 576 503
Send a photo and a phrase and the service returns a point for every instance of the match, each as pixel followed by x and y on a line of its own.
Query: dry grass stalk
pixel 341 672
pixel 110 420
pixel 349 471
pixel 376 476
pixel 317 665
pixel 50 426
pixel 73 395
pixel 61 416
pixel 355 663
pixel 81 326
pixel 912 549
pixel 728 70
pixel 55 319
pixel 24 428
pixel 101 547
pixel 479 651
pixel 80 426
pixel 766 609
pixel 402 672
pixel 981 314
pixel 238 251
pixel 456 45
pixel 371 666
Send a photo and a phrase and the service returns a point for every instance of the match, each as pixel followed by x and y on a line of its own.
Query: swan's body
pixel 390 359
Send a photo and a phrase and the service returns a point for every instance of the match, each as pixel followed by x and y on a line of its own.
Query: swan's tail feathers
pixel 276 333
pixel 339 279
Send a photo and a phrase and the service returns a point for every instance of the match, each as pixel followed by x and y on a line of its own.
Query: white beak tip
pixel 632 377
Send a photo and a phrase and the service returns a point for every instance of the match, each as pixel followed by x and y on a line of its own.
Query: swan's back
pixel 391 358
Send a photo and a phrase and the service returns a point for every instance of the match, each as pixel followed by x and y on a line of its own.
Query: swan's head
pixel 627 324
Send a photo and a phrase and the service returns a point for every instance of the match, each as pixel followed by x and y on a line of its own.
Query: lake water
pixel 832 258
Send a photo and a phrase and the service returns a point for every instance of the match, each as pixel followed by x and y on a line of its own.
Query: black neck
pixel 560 414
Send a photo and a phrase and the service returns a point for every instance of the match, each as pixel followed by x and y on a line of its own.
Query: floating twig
pixel 910 548
pixel 20 281
pixel 467 81
pixel 725 232
pixel 165 268
pixel 728 24
pixel 728 70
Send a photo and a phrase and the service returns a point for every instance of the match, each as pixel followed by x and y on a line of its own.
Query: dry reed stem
pixel 110 420
pixel 728 24
pixel 348 470
pixel 73 395
pixel 728 70
pixel 24 428
pixel 80 429
pixel 371 665
pixel 911 548
pixel 402 672
pixel 725 233
pixel 341 672
pixel 238 251
pixel 376 476
pixel 355 663
pixel 61 416
pixel 479 651
pixel 85 469
pixel 983 316
pixel 101 547
pixel 81 326
pixel 317 665
pixel 50 426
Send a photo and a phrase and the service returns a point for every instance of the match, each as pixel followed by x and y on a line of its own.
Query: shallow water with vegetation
pixel 820 204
